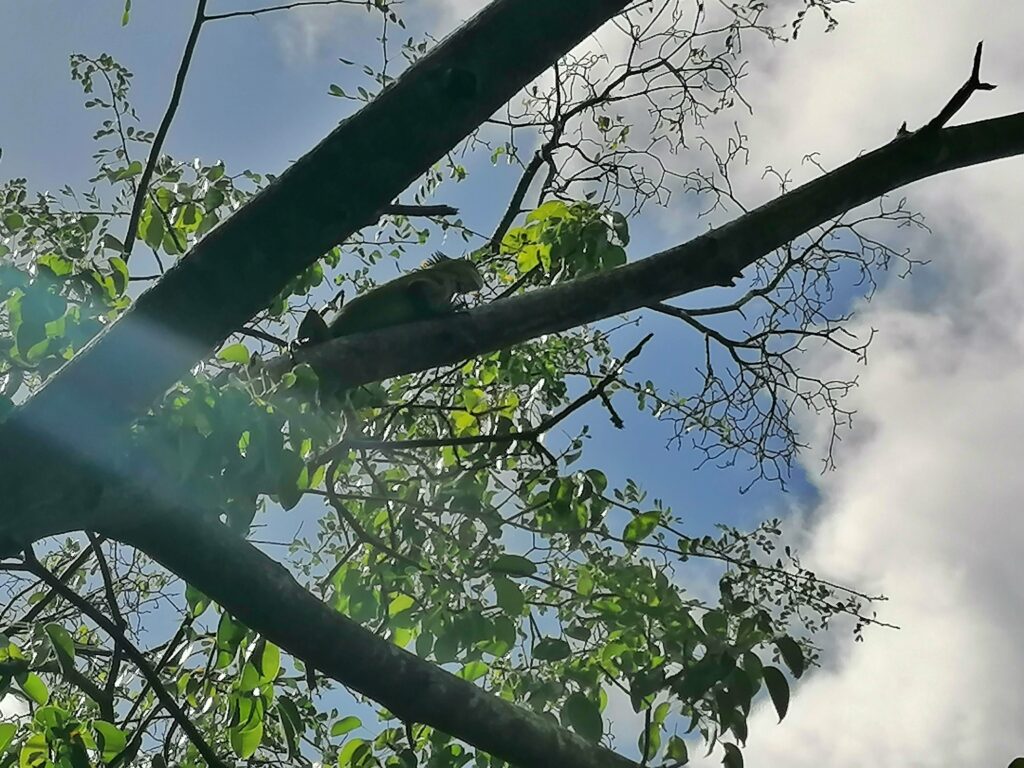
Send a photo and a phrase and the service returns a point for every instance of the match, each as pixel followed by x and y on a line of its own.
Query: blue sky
pixel 925 503
pixel 258 101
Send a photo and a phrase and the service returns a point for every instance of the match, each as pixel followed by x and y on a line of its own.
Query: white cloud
pixel 925 505
pixel 302 34
pixel 12 707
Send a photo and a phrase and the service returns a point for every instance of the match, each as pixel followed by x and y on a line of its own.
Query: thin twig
pixel 88 609
pixel 528 435
pixel 361 533
pixel 256 333
pixel 114 670
pixel 33 613
pixel 400 209
pixel 165 125
pixel 285 7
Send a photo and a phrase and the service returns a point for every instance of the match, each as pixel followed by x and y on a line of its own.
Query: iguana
pixel 421 295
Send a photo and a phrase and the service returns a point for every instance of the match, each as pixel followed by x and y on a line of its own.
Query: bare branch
pixel 715 258
pixel 161 134
pixel 284 7
pixel 960 98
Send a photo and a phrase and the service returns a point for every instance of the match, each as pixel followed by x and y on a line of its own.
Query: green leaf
pixel 229 635
pixel 648 742
pixel 127 13
pixel 7 731
pixel 110 739
pixel 715 623
pixel 345 725
pixel 474 670
pixel 63 644
pixel 289 471
pixel 268 662
pixel 235 353
pixel 551 649
pixel 583 716
pixel 733 758
pixel 60 266
pixel 33 687
pixel 196 600
pixel 701 676
pixel 245 741
pixel 34 752
pixel 112 243
pixel 291 723
pixel 509 596
pixel 514 565
pixel 120 273
pixel 14 221
pixel 249 680
pixel 677 750
pixel 792 654
pixel 598 479
pixel 348 754
pixel 549 210
pixel 400 603
pixel 778 689
pixel 641 526
pixel 213 198
pixel 464 422
pixel 528 258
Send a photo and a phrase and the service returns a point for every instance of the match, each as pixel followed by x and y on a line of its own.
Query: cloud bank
pixel 925 505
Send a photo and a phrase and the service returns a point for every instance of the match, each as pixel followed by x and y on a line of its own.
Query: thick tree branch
pixel 213 559
pixel 237 270
pixel 715 258
pixel 400 209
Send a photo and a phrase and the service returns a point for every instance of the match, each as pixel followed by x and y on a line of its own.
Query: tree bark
pixel 82 414
pixel 714 258
pixel 54 449
pixel 232 572
pixel 262 593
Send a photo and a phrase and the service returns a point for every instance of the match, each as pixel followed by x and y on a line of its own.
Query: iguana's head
pixel 463 274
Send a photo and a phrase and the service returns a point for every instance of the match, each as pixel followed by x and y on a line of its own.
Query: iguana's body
pixel 426 293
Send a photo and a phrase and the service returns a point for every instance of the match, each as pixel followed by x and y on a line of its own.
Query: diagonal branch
pixel 715 258
pixel 532 435
pixel 282 7
pixel 400 209
pixel 219 563
pixel 960 98
pixel 238 269
pixel 161 133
